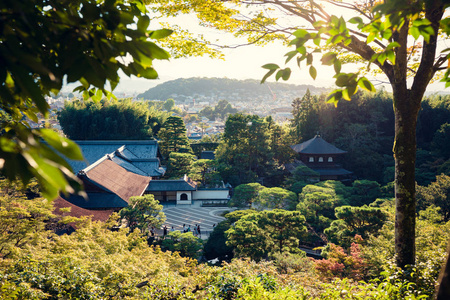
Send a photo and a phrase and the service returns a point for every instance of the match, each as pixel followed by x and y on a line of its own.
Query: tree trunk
pixel 406 108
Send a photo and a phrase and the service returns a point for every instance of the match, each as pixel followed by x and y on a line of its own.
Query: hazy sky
pixel 245 62
pixel 240 63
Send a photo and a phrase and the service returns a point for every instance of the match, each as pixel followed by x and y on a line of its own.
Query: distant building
pixel 322 157
pixel 207 155
pixel 114 171
pixel 141 157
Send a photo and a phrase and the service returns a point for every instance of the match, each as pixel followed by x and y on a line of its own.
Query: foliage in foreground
pixel 95 262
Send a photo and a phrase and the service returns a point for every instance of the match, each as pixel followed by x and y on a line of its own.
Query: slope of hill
pixel 222 87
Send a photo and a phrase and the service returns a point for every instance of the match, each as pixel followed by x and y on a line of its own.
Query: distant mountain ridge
pixel 221 87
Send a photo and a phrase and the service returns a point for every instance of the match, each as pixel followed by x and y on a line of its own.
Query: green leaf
pixel 387 34
pixel 414 31
pixel 365 84
pixel 328 58
pixel 268 74
pixel 334 97
pixel 381 58
pixel 143 23
pixel 160 34
pixel 317 41
pixel 350 91
pixel 156 52
pixel 290 55
pixel 392 45
pixel 313 72
pixel 300 33
pixel 286 74
pixel 342 79
pixel 337 66
pixel 278 75
pixel 346 95
pixel 356 20
pixel 301 50
pixel 270 66
pixel 391 56
pixel 309 59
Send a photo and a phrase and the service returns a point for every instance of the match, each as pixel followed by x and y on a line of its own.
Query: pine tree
pixel 173 137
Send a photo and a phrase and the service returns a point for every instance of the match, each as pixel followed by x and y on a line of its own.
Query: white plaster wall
pixel 210 194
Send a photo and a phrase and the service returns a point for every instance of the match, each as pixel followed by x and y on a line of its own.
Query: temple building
pixel 321 157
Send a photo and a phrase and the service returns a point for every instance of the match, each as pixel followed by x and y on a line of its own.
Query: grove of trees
pixel 121 119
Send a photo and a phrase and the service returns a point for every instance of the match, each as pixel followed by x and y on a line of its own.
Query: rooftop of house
pixel 77 211
pixel 317 145
pixel 183 184
pixel 207 155
pixel 140 157
pixel 108 177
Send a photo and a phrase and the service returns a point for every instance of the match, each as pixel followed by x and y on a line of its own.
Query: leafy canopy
pixel 43 43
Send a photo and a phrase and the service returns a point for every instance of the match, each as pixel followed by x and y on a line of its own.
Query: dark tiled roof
pixel 332 171
pixel 94 150
pixel 207 155
pixel 113 178
pixel 171 185
pixel 290 167
pixel 76 211
pixel 98 201
pixel 317 145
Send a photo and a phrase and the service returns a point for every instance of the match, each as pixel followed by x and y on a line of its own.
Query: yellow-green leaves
pixel 421 27
pixel 364 83
pixel 350 84
pixel 161 33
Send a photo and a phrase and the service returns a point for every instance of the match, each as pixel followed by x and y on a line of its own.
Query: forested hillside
pixel 210 86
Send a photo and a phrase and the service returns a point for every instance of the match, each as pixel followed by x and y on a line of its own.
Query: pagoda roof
pixel 332 171
pixel 317 145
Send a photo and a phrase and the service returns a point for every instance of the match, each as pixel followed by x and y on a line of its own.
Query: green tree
pixel 305 122
pixel 143 212
pixel 353 221
pixel 173 137
pixel 245 194
pixel 270 198
pixel 203 171
pixel 215 246
pixel 244 151
pixel 364 192
pixel 82 41
pixel 317 204
pixel 169 104
pixel 436 193
pixel 280 142
pixel 440 143
pixel 236 215
pixel 108 120
pixel 22 221
pixel 179 164
pixel 185 243
pixel 258 234
pixel 220 110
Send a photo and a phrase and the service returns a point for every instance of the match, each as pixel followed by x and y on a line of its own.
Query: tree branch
pixel 426 71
